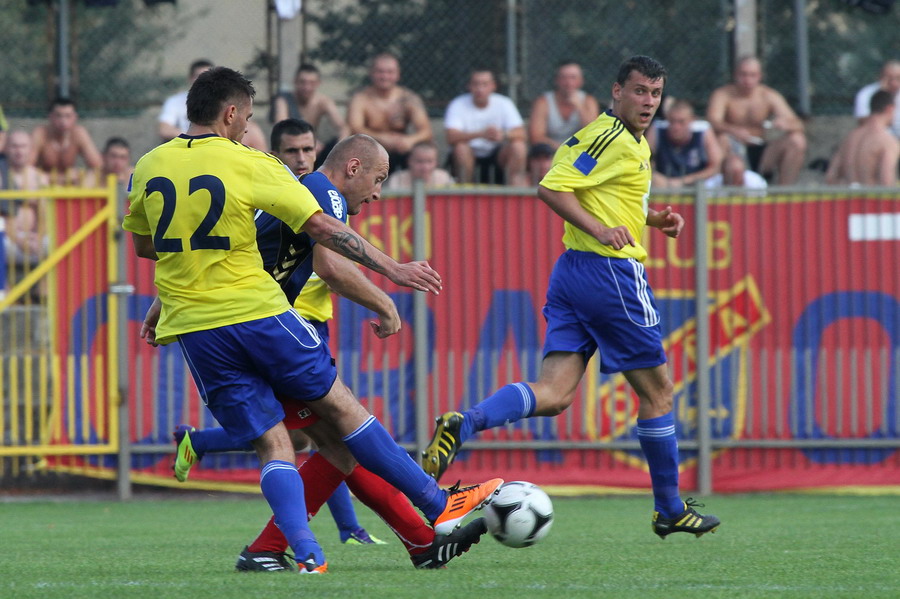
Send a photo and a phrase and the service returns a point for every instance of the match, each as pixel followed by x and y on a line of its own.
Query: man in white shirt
pixel 485 128
pixel 173 119
pixel 889 81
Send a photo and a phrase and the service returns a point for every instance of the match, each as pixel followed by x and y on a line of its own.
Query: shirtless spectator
pixel 684 150
pixel 556 115
pixel 869 153
pixel 392 114
pixel 173 119
pixel 485 129
pixel 24 218
pixel 889 81
pixel 744 114
pixel 58 144
pixel 423 165
pixel 306 103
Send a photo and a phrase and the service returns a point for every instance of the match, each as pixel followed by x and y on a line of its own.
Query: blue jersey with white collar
pixel 286 255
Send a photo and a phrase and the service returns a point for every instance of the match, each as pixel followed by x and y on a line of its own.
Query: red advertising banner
pixel 803 314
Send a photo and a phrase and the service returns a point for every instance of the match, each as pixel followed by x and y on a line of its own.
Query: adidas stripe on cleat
pixel 687 521
pixel 462 502
pixel 263 561
pixel 311 566
pixel 446 547
pixel 444 445
pixel 185 456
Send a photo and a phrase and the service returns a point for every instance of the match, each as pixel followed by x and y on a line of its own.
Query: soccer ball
pixel 520 515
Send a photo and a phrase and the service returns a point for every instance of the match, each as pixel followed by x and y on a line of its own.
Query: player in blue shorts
pixel 293 142
pixel 192 205
pixel 323 474
pixel 598 296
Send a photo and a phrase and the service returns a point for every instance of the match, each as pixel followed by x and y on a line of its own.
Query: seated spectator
pixel 869 153
pixel 25 241
pixel 540 159
pixel 422 162
pixel 116 161
pixel 889 82
pixel 58 144
pixel 745 112
pixel 736 174
pixel 392 114
pixel 173 119
pixel 485 129
pixel 306 103
pixel 556 115
pixel 684 150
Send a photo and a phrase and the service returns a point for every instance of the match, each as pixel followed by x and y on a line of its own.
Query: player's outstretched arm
pixel 337 236
pixel 346 279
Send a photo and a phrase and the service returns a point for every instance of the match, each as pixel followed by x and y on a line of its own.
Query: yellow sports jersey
pixel 314 301
pixel 196 197
pixel 609 172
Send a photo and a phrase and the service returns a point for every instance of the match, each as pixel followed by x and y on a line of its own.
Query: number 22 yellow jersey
pixel 196 197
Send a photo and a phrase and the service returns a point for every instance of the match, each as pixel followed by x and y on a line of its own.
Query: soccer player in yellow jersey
pixel 598 297
pixel 192 207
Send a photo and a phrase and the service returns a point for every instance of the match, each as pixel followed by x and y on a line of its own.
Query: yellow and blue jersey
pixel 288 255
pixel 608 170
pixel 197 198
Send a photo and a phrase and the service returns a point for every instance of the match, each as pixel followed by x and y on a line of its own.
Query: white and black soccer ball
pixel 520 515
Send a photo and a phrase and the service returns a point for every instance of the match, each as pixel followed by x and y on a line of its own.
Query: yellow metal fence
pixel 58 338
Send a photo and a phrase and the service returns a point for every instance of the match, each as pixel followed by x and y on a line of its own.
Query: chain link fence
pixel 115 50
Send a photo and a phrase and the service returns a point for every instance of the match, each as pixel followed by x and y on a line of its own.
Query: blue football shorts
pixel 240 368
pixel 595 301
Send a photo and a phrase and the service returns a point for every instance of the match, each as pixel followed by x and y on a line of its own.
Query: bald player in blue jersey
pixel 192 205
pixel 598 296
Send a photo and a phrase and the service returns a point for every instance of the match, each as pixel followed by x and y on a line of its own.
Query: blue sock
pixel 510 403
pixel 657 437
pixel 283 489
pixel 215 440
pixel 342 511
pixel 377 452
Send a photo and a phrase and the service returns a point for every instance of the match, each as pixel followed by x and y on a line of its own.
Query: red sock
pixel 393 507
pixel 320 479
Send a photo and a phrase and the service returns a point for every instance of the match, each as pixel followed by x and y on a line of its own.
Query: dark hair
pixel 880 100
pixel 646 66
pixel 61 101
pixel 214 89
pixel 288 127
pixel 200 64
pixel 116 141
pixel 307 68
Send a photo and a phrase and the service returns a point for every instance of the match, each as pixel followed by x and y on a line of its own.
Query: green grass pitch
pixel 184 547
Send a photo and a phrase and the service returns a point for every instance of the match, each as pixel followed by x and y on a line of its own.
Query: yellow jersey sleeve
pixel 608 170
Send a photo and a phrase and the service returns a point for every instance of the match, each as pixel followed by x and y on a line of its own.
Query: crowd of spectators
pixel 750 137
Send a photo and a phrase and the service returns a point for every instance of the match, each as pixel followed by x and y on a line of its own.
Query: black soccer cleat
pixel 263 561
pixel 687 521
pixel 446 547
pixel 445 444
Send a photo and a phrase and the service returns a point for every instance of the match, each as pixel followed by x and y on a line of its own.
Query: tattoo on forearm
pixel 353 247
